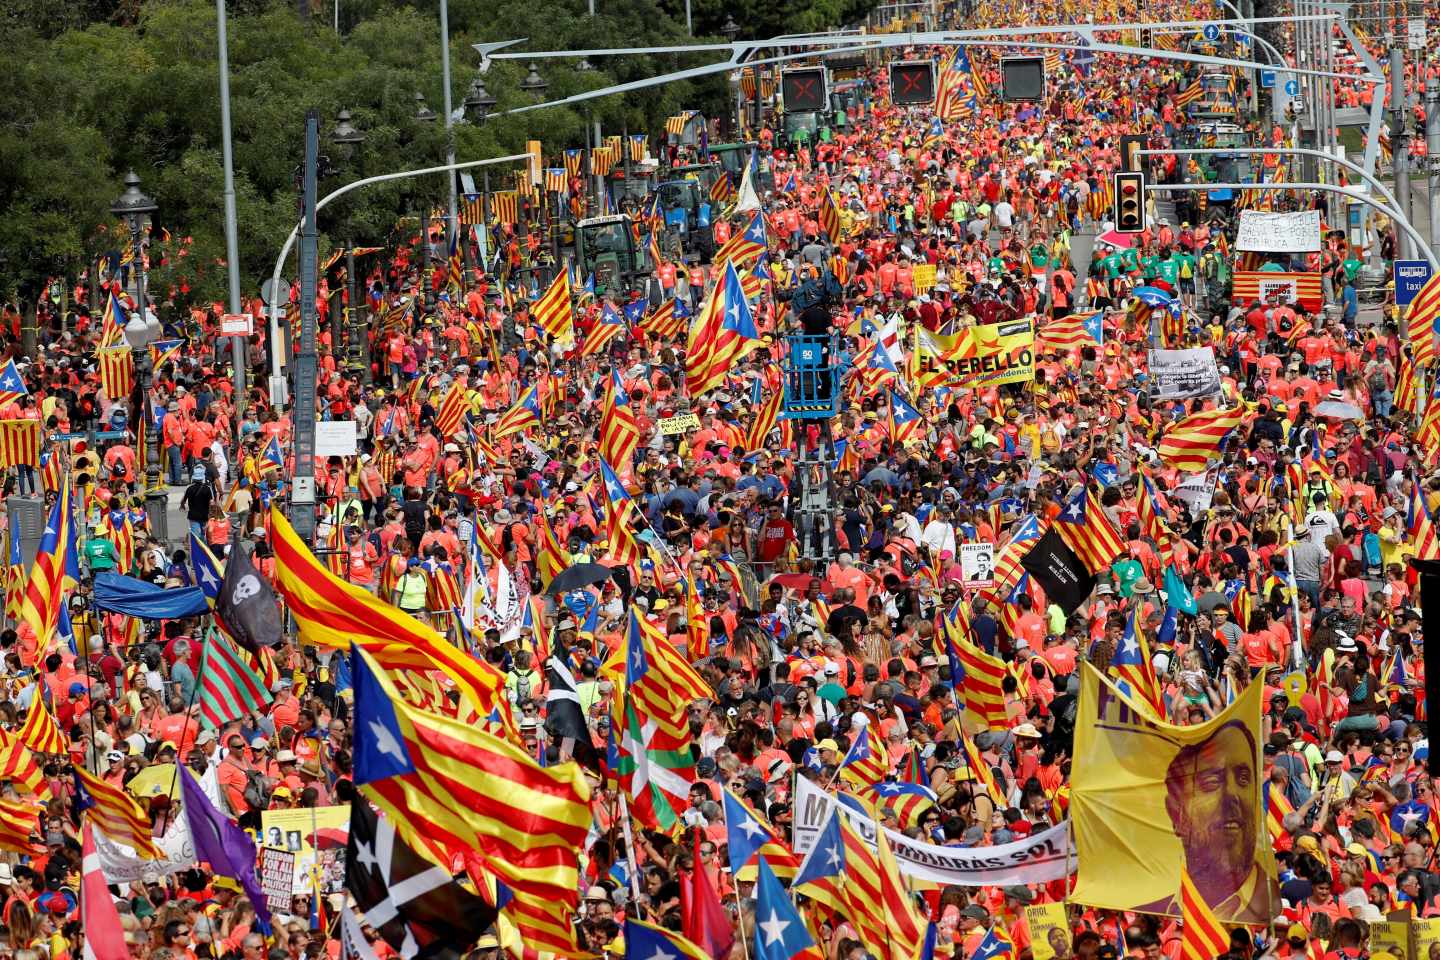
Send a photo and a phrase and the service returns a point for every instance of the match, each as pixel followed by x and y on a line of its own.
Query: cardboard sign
pixel 924 277
pixel 678 424
pixel 277 877
pixel 977 565
pixel 335 438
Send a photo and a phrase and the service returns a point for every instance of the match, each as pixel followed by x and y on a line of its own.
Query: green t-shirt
pixel 1148 266
pixel 1169 270
pixel 1131 258
pixel 1112 265
pixel 100 554
pixel 1184 260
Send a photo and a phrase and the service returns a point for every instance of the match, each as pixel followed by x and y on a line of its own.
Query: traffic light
pixel 803 89
pixel 1129 203
pixel 1022 78
pixel 912 82
pixel 1130 159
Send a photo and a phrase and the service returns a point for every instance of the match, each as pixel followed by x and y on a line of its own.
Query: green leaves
pixel 95 89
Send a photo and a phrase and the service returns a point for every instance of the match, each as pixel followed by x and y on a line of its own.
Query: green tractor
pixel 606 249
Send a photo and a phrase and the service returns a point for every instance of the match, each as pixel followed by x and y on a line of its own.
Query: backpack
pixel 257 790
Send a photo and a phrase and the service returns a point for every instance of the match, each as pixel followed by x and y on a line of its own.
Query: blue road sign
pixel 1410 276
pixel 1212 32
pixel 1292 88
pixel 1267 79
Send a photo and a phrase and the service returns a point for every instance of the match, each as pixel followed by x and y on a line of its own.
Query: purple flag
pixel 220 843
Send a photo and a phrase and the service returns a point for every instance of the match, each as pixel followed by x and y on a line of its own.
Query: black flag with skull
pixel 246 606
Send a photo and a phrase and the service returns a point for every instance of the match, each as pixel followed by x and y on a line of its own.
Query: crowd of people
pixel 1282 562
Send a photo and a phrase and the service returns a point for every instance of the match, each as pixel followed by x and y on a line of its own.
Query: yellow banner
pixel 1049 931
pixel 1392 936
pixel 981 356
pixel 1147 797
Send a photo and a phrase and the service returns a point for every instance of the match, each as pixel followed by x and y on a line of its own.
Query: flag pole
pixel 629 844
pixel 739 913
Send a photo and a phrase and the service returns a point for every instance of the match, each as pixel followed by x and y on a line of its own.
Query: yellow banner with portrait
pixel 1147 797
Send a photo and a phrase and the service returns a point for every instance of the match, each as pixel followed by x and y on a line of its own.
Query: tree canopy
pixel 96 89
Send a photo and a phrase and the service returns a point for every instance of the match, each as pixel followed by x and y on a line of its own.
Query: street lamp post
pixel 479 102
pixel 353 333
pixel 143 329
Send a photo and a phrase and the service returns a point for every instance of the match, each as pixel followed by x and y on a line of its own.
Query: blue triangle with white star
pixel 380 751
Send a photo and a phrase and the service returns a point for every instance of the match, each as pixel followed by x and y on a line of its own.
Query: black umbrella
pixel 577 577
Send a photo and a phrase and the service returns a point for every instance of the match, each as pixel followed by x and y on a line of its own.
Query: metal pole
pixel 452 225
pixel 483 233
pixel 357 349
pixel 599 176
pixel 232 244
pixel 689 24
pixel 157 496
pixel 302 391
pixel 1432 154
pixel 1399 126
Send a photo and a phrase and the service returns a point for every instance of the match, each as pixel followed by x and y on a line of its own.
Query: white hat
pixel 1334 756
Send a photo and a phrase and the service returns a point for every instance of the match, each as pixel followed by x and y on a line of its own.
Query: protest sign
pixel 1183 374
pixel 678 424
pixel 335 438
pixel 984 355
pixel 977 565
pixel 298 830
pixel 277 877
pixel 1263 232
pixel 1142 805
pixel 924 277
pixel 1038 858
pixel 1049 931
pixel 122 865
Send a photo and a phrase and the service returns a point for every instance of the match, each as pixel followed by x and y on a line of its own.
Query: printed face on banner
pixel 1148 797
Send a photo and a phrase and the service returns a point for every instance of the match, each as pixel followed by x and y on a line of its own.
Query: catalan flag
pixel 55 570
pixel 524 414
pixel 1203 936
pixel 830 221
pixel 333 614
pixel 20 828
pixel 1192 442
pixel 904 421
pixel 454 790
pixel 450 417
pixel 14 576
pixel 1132 665
pixel 164 351
pixel 648 940
pixel 1420 317
pixel 1190 94
pixel 720 337
pixel 112 322
pixel 747 835
pixel 865 763
pixel 1419 527
pixel 553 311
pixel 841 873
pixel 767 413
pixel 40 732
pixel 1072 332
pixel 619 430
pixel 1152 517
pixel 1086 529
pixel 114 813
pixel 117 371
pixel 12 385
pixel 976 675
pixel 620 519
pixel 751 242
pixel 611 327
pixel 780 934
pixel 18 766
pixel 19 443
pixel 1277 806
pixel 667 321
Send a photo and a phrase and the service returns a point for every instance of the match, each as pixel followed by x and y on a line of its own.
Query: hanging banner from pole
pixel 1038 858
pixel 1263 232
pixel 1265 285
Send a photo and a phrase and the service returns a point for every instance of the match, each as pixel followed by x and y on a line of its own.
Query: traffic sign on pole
pixel 236 325
pixel 1267 79
pixel 1212 32
pixel 1292 88
pixel 1410 276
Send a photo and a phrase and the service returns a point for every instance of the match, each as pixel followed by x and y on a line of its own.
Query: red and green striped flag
pixel 230 687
